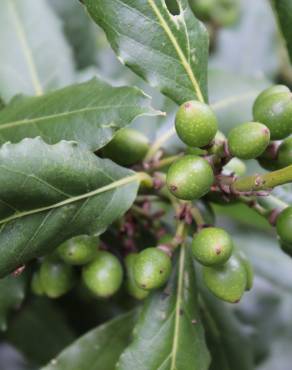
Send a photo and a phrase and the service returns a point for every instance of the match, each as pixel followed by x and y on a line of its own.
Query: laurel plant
pixel 142 231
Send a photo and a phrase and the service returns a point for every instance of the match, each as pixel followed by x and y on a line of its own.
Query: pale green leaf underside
pixel 34 56
pixel 89 113
pixel 49 193
pixel 97 350
pixel 170 52
pixel 169 334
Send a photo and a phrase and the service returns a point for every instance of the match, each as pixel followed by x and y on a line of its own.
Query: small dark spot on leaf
pixel 181 312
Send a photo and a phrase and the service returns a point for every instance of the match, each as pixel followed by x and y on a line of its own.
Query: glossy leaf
pixel 45 325
pixel 283 9
pixel 51 193
pixel 97 350
pixel 228 340
pixel 34 54
pixel 170 52
pixel 89 113
pixel 169 334
pixel 12 292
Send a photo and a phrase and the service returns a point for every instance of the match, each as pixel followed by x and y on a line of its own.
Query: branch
pixel 262 182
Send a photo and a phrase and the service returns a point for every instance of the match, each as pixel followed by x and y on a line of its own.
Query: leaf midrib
pixel 178 49
pixel 25 47
pixel 26 121
pixel 124 181
pixel 178 308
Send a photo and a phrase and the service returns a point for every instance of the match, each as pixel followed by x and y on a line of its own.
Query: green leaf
pixel 45 325
pixel 169 334
pixel 12 291
pixel 89 112
pixel 34 54
pixel 97 350
pixel 228 340
pixel 264 251
pixel 169 52
pixel 283 10
pixel 50 193
pixel 79 30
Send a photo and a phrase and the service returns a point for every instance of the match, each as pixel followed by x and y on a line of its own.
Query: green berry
pixel 235 166
pixel 79 250
pixel 275 111
pixel 284 158
pixel 202 8
pixel 226 12
pixel 228 282
pixel 267 164
pixel 190 177
pixel 249 140
pixel 152 268
pixel 195 123
pixel 36 284
pixel 212 246
pixel 248 269
pixel 103 276
pixel 133 288
pixel 286 248
pixel 267 92
pixel 127 147
pixel 284 225
pixel 56 277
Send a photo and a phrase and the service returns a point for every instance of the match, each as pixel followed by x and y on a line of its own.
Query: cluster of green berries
pixel 273 107
pixel 227 273
pixel 102 272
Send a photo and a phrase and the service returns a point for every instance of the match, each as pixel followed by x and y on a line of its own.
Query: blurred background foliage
pixel 245 57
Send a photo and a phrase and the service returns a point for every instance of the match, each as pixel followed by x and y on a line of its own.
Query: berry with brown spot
pixel 212 246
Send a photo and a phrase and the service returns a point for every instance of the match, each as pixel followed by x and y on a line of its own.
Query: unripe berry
pixel 249 140
pixel 103 276
pixel 202 8
pixel 56 277
pixel 228 282
pixel 286 248
pixel 248 269
pixel 127 147
pixel 79 250
pixel 36 284
pixel 195 123
pixel 132 287
pixel 212 246
pixel 235 167
pixel 190 177
pixel 152 268
pixel 285 153
pixel 284 225
pixel 267 92
pixel 275 111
